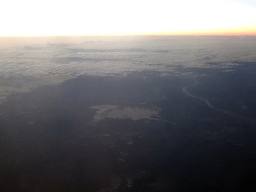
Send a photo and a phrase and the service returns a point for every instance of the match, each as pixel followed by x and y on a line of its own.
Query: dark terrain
pixel 49 142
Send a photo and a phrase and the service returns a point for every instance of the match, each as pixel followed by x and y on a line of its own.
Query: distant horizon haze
pixel 20 41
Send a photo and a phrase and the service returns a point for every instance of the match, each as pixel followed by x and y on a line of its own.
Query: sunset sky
pixel 115 17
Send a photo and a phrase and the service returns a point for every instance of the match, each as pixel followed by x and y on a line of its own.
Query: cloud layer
pixel 32 65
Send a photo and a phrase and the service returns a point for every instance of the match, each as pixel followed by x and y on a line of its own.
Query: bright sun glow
pixel 101 17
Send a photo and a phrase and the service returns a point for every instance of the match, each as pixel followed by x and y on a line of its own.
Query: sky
pixel 133 17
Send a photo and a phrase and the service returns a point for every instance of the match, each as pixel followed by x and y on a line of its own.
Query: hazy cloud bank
pixel 55 63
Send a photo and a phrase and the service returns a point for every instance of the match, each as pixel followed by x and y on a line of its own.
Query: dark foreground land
pixel 49 141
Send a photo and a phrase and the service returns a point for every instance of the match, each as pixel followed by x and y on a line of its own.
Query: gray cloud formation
pixel 54 63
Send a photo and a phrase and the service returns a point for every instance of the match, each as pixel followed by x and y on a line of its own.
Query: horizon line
pixel 131 34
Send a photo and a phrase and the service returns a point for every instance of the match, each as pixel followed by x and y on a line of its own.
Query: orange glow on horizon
pixel 246 30
pixel 220 32
pixel 118 18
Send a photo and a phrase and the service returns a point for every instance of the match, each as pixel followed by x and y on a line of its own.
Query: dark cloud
pixel 105 50
pixel 161 51
pixel 78 59
pixel 213 63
